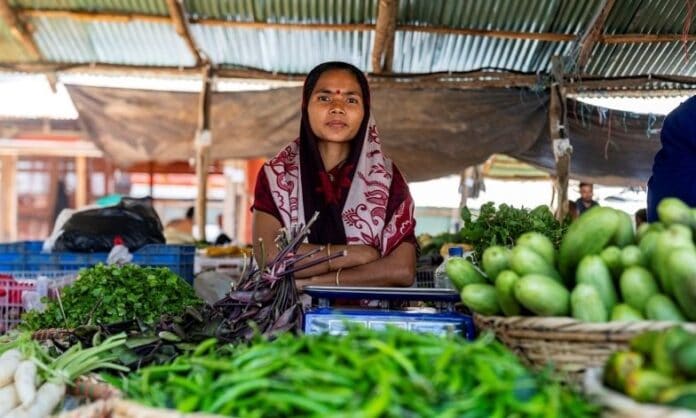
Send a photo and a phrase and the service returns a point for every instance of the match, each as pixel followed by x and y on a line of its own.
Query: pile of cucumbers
pixel 603 271
pixel 660 367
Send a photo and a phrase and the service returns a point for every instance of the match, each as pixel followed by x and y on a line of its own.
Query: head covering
pixel 353 208
pixel 674 168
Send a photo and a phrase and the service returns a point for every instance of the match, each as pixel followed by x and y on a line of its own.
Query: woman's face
pixel 336 107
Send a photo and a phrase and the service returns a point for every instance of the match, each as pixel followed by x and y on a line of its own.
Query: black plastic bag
pixel 96 230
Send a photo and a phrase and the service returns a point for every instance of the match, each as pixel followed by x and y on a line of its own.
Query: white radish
pixel 18 412
pixel 48 397
pixel 9 360
pixel 25 382
pixel 8 399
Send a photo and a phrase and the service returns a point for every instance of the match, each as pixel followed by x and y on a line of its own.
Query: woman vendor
pixel 337 167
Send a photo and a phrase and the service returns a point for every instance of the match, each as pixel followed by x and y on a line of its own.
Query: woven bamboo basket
pixel 617 405
pixel 119 408
pixel 569 345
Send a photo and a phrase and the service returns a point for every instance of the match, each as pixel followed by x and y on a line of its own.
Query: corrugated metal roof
pixel 154 7
pixel 283 50
pixel 67 40
pixel 296 51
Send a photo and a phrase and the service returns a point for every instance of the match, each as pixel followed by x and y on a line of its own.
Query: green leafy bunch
pixel 504 225
pixel 107 294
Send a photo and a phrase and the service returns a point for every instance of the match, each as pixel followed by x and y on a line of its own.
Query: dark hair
pixel 586 184
pixel 189 213
pixel 642 214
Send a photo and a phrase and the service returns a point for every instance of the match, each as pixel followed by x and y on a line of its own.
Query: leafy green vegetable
pixel 108 294
pixel 505 225
pixel 392 373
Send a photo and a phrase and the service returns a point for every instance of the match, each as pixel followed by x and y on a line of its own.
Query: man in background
pixel 585 201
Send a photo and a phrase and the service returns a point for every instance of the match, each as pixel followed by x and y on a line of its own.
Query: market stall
pixel 544 319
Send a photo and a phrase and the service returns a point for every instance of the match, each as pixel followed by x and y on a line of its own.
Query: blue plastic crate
pixel 27 256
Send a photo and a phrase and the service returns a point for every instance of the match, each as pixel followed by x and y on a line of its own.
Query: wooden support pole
pixel 18 29
pixel 8 189
pixel 180 22
pixel 594 32
pixel 383 45
pixel 559 139
pixel 81 181
pixel 202 145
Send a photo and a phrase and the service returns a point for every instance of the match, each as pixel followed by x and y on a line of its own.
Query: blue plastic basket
pixel 27 256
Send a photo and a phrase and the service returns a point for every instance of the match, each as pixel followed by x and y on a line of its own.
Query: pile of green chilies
pixel 393 373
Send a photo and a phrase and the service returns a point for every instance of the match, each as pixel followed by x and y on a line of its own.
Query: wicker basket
pixel 571 346
pixel 119 408
pixel 616 405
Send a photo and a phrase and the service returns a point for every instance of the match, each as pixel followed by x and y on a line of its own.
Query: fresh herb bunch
pixel 391 373
pixel 107 294
pixel 504 225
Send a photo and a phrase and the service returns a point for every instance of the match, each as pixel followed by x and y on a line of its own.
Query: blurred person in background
pixel 585 201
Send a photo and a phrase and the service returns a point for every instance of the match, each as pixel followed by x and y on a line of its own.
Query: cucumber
pixel 462 272
pixel 586 304
pixel 505 291
pixel 681 267
pixel 495 259
pixel 645 385
pixel 542 295
pixel 588 234
pixel 671 211
pixel 669 241
pixel 647 246
pixel 612 258
pixel 618 366
pixel 524 260
pixel 481 298
pixel 661 308
pixel 624 234
pixel 685 357
pixel 632 256
pixel 541 244
pixel 679 396
pixel 593 271
pixel 637 286
pixel 665 348
pixel 643 229
pixel 644 343
pixel 625 313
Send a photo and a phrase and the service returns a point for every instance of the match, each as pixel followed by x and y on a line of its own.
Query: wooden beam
pixel 473 79
pixel 202 144
pixel 81 181
pixel 384 35
pixel 18 29
pixel 8 190
pixel 633 38
pixel 559 140
pixel 180 21
pixel 594 32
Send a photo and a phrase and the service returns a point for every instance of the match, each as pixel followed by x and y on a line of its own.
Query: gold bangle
pixel 338 272
pixel 328 254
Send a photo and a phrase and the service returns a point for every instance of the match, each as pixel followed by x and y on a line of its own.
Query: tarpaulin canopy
pixel 428 132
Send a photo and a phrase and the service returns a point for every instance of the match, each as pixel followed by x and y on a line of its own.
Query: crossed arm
pixel 361 266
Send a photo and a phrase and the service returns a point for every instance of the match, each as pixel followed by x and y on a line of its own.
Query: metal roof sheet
pixel 140 42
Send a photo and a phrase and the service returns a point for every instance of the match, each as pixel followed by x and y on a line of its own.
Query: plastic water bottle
pixel 440 277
